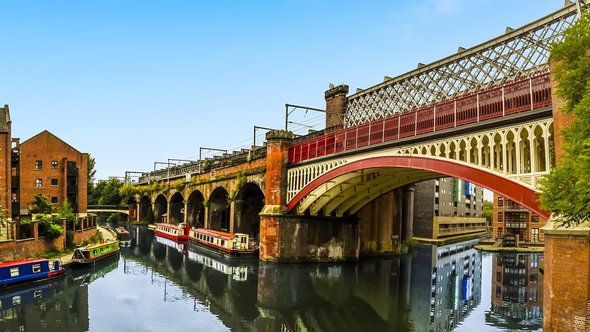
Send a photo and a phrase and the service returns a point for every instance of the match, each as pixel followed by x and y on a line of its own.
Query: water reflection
pixel 156 285
pixel 517 292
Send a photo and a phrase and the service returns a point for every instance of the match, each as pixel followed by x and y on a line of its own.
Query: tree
pixel 107 192
pixel 42 205
pixel 488 210
pixel 91 177
pixel 566 190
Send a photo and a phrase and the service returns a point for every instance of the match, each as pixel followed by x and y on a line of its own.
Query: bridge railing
pixel 204 166
pixel 513 97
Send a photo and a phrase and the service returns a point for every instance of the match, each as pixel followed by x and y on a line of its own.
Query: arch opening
pixel 249 202
pixel 219 210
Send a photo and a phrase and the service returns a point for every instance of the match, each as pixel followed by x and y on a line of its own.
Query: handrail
pixel 513 97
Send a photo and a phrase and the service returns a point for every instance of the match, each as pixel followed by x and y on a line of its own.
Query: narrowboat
pixel 180 246
pixel 173 232
pixel 28 270
pixel 123 236
pixel 238 245
pixel 89 255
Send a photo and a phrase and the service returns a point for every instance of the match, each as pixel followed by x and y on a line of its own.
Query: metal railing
pixel 496 102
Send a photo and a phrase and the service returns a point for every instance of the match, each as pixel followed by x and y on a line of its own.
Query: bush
pixel 54 231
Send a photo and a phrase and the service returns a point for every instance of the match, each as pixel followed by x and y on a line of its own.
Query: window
pixel 14 272
pixel 36 268
pixel 500 201
pixel 54 182
pixel 500 217
pixel 54 164
pixel 38 164
pixel 534 218
pixel 38 183
pixel 534 234
pixel 54 200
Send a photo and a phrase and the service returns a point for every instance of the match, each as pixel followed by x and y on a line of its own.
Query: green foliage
pixel 42 205
pixel 91 175
pixel 96 238
pixel 407 245
pixel 65 211
pixel 488 210
pixel 107 192
pixel 129 190
pixel 178 185
pixel 566 190
pixel 49 225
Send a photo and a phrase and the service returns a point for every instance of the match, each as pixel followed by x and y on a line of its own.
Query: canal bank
pixel 66 259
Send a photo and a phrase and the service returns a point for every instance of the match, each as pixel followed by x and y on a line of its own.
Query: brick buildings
pixel 446 208
pixel 514 223
pixel 49 166
pixel 5 163
pixel 43 164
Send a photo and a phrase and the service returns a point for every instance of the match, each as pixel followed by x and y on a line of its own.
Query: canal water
pixel 158 285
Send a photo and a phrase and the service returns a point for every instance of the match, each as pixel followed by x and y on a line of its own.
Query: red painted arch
pixel 501 185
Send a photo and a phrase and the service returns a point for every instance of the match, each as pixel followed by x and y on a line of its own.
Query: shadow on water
pixel 435 288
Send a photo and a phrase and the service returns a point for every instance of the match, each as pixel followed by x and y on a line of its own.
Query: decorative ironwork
pixel 517 53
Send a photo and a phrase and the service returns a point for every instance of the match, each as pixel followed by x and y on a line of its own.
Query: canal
pixel 158 285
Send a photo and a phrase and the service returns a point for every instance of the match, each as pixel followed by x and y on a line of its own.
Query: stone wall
pixel 313 239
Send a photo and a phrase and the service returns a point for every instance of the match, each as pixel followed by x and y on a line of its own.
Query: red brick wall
pixel 567 284
pixel 5 167
pixel 47 148
pixel 10 250
pixel 335 105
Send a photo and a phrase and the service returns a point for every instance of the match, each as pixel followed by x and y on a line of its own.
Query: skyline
pixel 146 81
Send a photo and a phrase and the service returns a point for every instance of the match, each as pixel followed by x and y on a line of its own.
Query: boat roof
pixel 22 261
pixel 98 245
pixel 220 234
pixel 171 225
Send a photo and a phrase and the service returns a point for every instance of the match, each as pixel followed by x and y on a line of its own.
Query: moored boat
pixel 123 236
pixel 28 270
pixel 238 245
pixel 180 246
pixel 89 255
pixel 173 232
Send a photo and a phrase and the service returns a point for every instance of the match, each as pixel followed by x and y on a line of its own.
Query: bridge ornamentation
pixel 519 152
pixel 515 54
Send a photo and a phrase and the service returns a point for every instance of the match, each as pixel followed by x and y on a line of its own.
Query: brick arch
pixel 494 182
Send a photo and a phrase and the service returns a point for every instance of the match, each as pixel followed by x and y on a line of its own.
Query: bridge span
pixel 484 114
pixel 487 114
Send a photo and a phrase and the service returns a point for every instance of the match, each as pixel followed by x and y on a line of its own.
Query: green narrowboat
pixel 89 255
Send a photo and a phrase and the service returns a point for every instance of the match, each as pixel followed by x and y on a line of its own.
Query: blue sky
pixel 136 81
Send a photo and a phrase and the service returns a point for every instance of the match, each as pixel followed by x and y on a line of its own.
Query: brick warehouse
pixel 49 166
pixel 43 164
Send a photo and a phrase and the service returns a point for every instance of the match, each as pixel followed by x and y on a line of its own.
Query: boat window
pixel 36 268
pixel 14 272
pixel 223 242
pixel 16 300
pixel 37 294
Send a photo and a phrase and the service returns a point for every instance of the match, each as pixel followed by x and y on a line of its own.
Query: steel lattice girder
pixel 515 54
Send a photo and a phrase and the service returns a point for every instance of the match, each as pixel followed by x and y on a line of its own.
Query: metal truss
pixel 515 54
